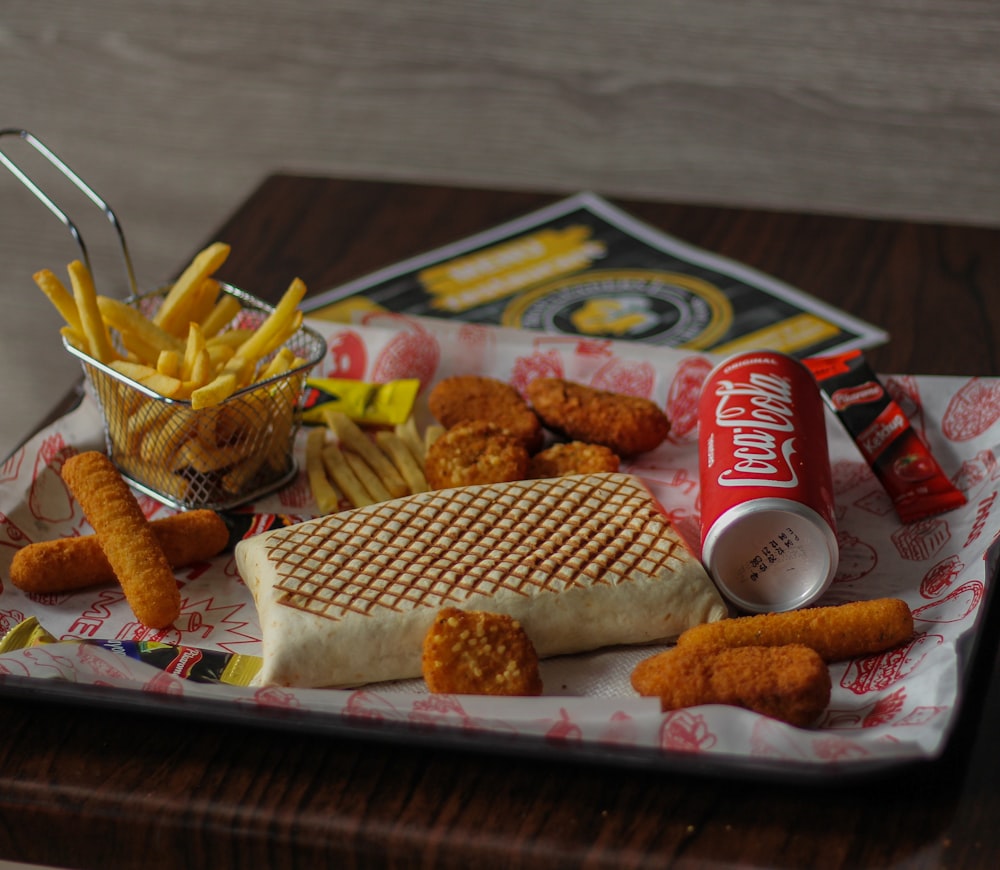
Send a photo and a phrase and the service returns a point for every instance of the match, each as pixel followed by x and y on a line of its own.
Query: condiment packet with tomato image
pixel 900 459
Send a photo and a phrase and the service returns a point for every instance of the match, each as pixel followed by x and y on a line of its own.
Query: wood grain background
pixel 174 111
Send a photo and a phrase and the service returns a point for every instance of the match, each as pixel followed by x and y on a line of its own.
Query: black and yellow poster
pixel 584 267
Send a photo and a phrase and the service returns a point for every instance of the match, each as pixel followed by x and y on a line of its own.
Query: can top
pixel 771 555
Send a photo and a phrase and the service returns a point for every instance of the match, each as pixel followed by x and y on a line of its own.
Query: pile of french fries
pixel 188 352
pixel 360 468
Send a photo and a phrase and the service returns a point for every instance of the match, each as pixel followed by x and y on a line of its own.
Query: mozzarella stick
pixel 69 564
pixel 838 632
pixel 126 538
pixel 790 683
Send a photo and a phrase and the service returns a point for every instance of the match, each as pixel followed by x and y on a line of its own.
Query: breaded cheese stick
pixel 837 632
pixel 68 564
pixel 126 538
pixel 791 683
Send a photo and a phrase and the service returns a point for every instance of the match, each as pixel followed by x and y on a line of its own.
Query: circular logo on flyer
pixel 637 304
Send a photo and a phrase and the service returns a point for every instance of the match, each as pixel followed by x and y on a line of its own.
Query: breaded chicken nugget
pixel 475 452
pixel 791 683
pixel 626 424
pixel 470 397
pixel 838 632
pixel 479 653
pixel 574 457
pixel 68 564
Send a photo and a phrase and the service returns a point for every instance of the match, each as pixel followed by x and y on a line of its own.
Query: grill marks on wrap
pixel 440 548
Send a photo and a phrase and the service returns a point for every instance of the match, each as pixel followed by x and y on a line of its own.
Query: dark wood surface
pixel 84 787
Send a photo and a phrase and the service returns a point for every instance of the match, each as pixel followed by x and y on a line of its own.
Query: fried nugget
pixel 791 683
pixel 479 653
pixel 68 564
pixel 626 424
pixel 837 632
pixel 126 538
pixel 475 452
pixel 574 457
pixel 462 398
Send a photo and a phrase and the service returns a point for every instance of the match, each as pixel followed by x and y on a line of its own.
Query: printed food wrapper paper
pixel 888 708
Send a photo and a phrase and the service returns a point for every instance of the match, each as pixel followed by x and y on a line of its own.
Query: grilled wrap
pixel 582 562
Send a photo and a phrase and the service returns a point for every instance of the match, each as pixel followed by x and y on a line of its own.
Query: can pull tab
pixel 51 205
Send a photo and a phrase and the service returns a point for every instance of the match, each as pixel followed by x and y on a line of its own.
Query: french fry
pixel 431 434
pixel 148 376
pixel 174 314
pixel 275 325
pixel 76 339
pixel 126 538
pixel 407 432
pixel 344 477
pixel 139 334
pixel 98 341
pixel 215 391
pixel 355 440
pixel 282 362
pixel 366 474
pixel 169 363
pixel 325 494
pixel 60 297
pixel 223 312
pixel 402 457
pixel 203 300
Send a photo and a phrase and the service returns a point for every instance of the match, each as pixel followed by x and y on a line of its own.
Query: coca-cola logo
pixel 759 414
pixel 847 396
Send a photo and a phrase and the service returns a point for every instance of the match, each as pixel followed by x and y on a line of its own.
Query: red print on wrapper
pixel 682 396
pixel 346 356
pixel 954 607
pixel 411 353
pixel 879 672
pixel 941 576
pixel 857 559
pixel 971 411
pixel 630 378
pixel 12 466
pixel 540 364
pixel 48 498
pixel 478 344
pixel 683 731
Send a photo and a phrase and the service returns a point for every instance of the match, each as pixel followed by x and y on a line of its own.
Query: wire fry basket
pixel 216 457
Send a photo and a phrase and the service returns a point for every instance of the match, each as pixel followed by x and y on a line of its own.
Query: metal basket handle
pixel 89 192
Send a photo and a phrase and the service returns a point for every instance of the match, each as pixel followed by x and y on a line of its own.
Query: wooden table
pixel 82 787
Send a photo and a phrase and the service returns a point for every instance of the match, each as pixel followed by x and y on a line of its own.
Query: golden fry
pixel 174 313
pixel 355 440
pixel 60 297
pixel 139 334
pixel 369 479
pixel 224 311
pixel 411 437
pixel 402 457
pixel 215 391
pixel 275 325
pixel 344 477
pixel 324 493
pixel 98 341
pixel 169 363
pixel 128 542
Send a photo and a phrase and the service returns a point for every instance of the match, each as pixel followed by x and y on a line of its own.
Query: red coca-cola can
pixel 768 533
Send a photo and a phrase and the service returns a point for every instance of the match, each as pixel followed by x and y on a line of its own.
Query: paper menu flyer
pixel 888 708
pixel 584 267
